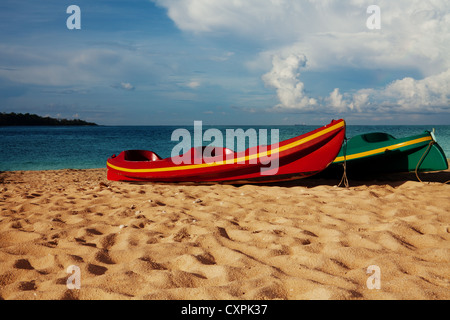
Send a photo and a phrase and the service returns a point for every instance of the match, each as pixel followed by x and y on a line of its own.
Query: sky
pixel 227 62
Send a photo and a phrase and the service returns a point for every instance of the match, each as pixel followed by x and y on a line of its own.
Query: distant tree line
pixel 20 119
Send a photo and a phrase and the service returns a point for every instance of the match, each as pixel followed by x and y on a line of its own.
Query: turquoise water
pixel 48 148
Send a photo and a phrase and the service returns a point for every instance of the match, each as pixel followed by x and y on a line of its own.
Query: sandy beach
pixel 301 240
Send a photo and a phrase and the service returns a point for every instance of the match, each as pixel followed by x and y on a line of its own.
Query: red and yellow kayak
pixel 295 158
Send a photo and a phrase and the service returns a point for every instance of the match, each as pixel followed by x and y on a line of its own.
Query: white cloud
pixel 126 86
pixel 284 77
pixel 209 16
pixel 429 94
pixel 414 35
pixel 266 19
pixel 193 84
pixel 336 101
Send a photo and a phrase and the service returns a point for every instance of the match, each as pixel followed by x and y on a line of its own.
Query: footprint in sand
pixel 23 264
pixel 96 269
pixel 206 259
pixel 108 241
pixel 28 285
pixel 104 257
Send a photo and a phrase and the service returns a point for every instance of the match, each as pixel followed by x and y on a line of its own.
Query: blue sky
pixel 165 62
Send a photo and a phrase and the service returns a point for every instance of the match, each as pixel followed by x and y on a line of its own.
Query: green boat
pixel 380 152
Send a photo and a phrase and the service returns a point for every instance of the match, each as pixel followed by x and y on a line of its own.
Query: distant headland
pixel 20 119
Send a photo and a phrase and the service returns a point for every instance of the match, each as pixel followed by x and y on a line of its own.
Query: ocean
pixel 86 147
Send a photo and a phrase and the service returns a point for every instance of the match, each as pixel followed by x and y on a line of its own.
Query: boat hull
pixel 295 158
pixel 382 153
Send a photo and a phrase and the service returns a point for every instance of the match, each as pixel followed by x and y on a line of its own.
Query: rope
pixel 421 159
pixel 420 162
pixel 344 179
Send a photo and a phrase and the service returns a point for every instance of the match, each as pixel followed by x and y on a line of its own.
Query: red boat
pixel 295 158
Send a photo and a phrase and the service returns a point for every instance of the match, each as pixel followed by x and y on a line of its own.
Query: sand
pixel 386 239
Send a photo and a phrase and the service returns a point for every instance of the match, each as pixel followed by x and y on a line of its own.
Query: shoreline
pixel 104 168
pixel 306 239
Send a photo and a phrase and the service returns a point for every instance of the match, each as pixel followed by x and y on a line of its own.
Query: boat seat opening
pixel 377 137
pixel 141 155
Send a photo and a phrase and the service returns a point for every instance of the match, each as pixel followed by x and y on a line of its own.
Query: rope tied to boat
pixel 344 179
pixel 422 158
pixel 432 142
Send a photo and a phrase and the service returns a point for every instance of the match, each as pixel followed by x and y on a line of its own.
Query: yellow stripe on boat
pixel 235 160
pixel 381 150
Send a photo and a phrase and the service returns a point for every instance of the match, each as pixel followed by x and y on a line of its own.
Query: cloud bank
pixel 300 36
